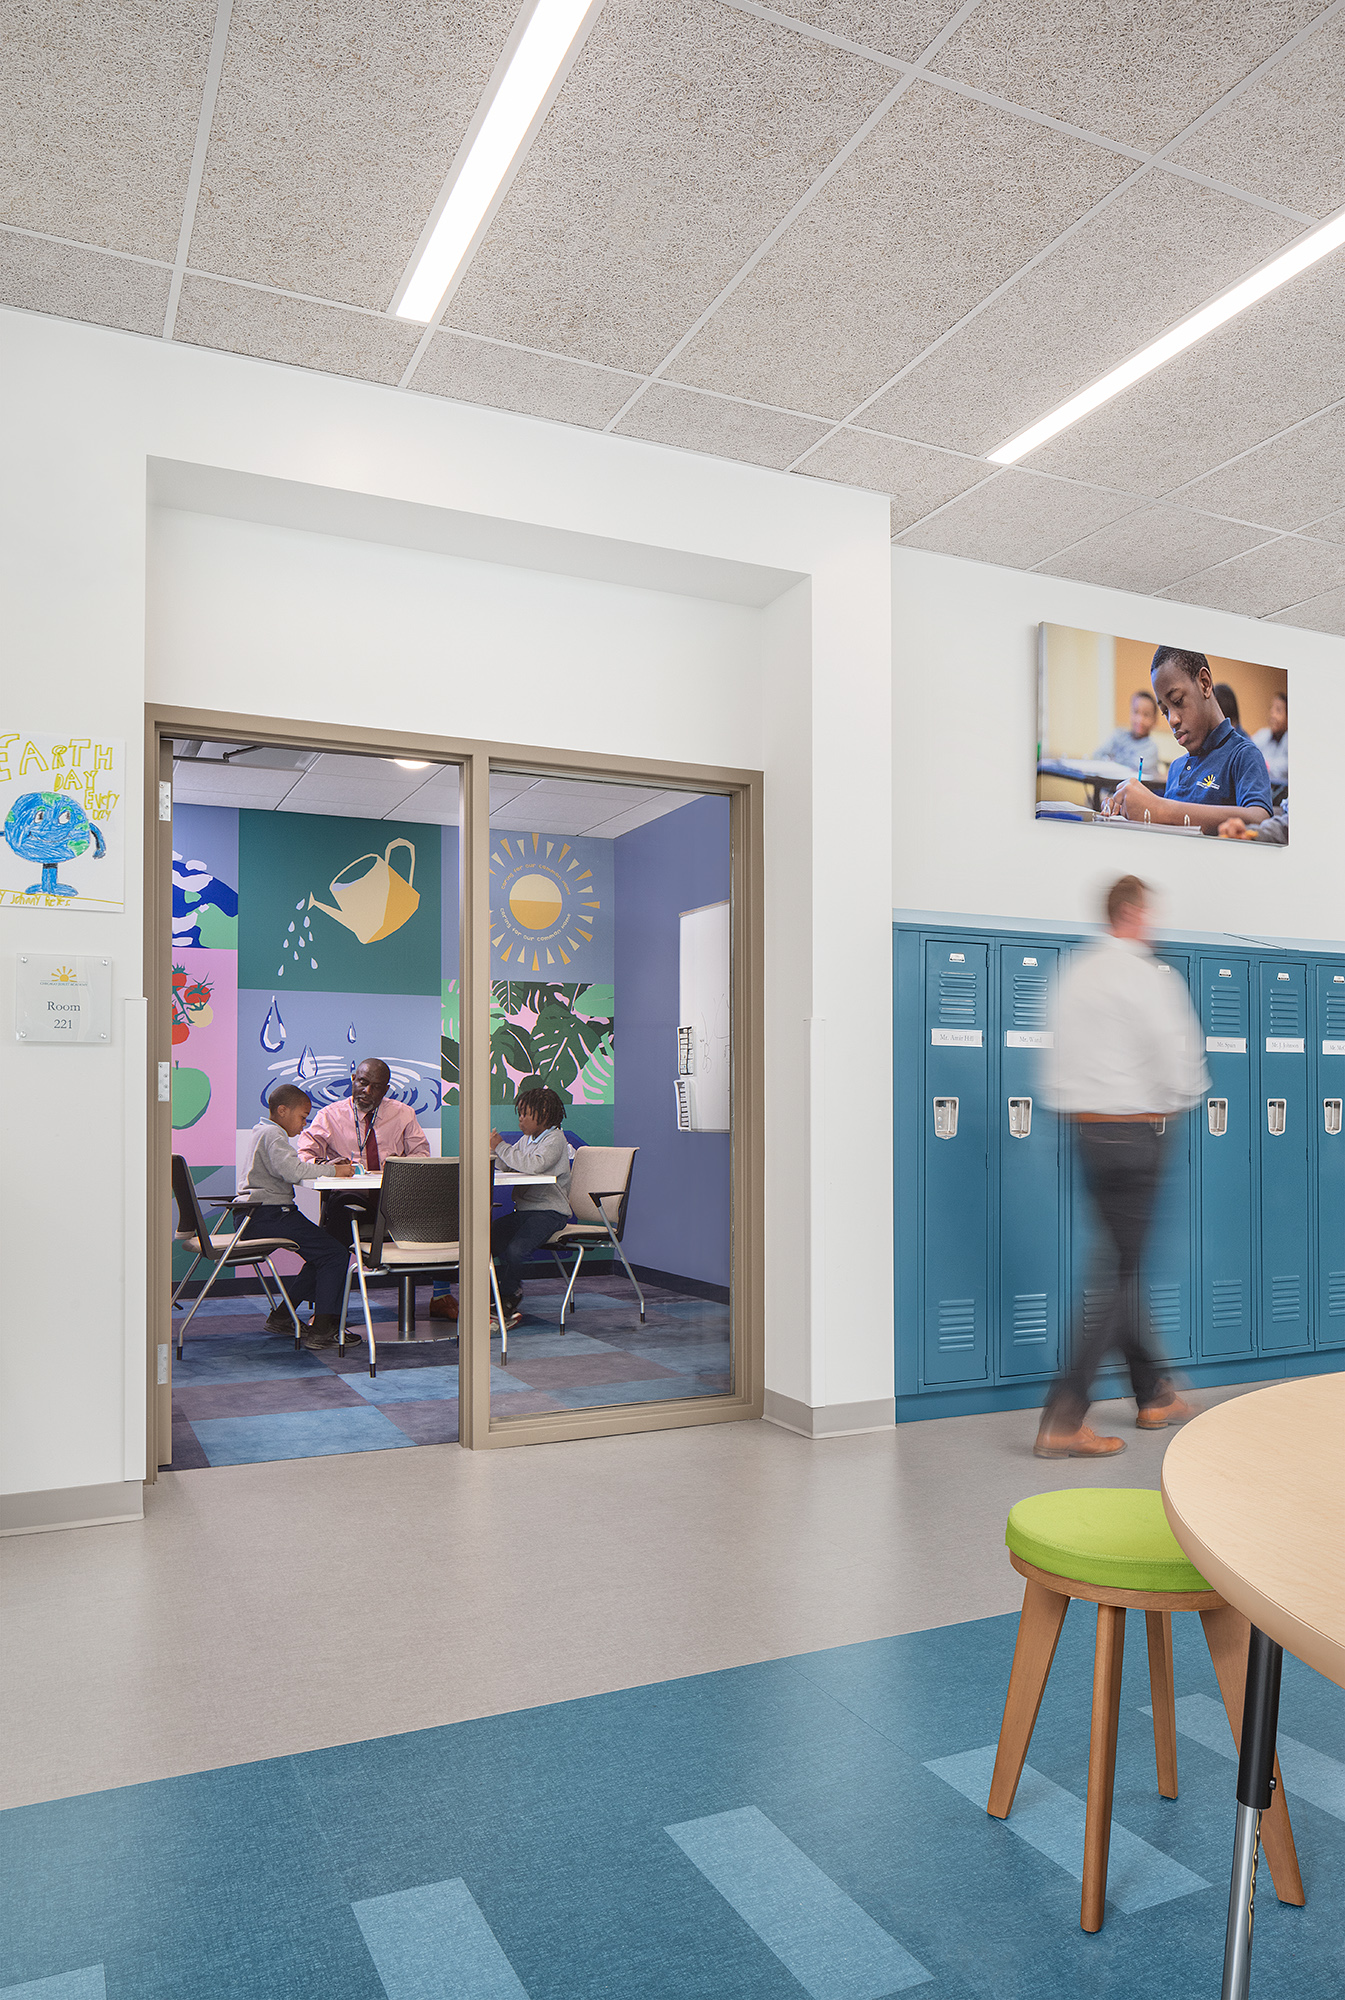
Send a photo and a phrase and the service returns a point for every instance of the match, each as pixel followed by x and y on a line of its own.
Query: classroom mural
pixel 61 818
pixel 551 912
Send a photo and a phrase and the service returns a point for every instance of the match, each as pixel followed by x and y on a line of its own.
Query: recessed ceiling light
pixel 542 49
pixel 1308 250
pixel 412 763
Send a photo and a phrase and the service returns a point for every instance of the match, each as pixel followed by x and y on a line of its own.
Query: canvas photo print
pixel 1139 736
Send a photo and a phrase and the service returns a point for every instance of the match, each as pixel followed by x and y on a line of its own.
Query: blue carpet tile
pixel 812 1825
pixel 242 1395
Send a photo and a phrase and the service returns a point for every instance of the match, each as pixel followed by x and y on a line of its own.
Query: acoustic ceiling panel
pixel 512 378
pixel 269 327
pixel 1283 137
pixel 714 424
pixel 1150 549
pixel 1267 579
pixel 75 283
pixel 1019 519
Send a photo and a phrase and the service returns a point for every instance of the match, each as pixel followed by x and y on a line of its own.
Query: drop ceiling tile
pixel 722 428
pixel 904 29
pixel 945 199
pixel 512 378
pixel 334 130
pixel 196 785
pixel 917 479
pixel 367 795
pixel 1135 73
pixel 657 808
pixel 1292 480
pixel 98 115
pixel 1018 520
pixel 271 328
pixel 552 818
pixel 1267 580
pixel 683 135
pixel 1284 137
pixel 1150 549
pixel 74 283
pixel 1331 528
pixel 1319 614
pixel 1275 364
pixel 1160 249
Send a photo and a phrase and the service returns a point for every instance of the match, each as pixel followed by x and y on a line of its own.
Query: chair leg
pixel 565 1305
pixel 629 1273
pixel 499 1314
pixel 1158 1631
pixel 289 1304
pixel 345 1308
pixel 183 1280
pixel 199 1300
pixel 1226 1635
pixel 1039 1624
pixel 1107 1657
pixel 364 1300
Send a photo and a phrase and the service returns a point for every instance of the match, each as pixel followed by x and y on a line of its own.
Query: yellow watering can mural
pixel 377 903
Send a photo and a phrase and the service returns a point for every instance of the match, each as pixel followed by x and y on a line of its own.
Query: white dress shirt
pixel 1127 1040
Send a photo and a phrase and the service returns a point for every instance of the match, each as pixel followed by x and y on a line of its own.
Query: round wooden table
pixel 1255 1494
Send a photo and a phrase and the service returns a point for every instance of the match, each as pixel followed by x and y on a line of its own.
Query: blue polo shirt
pixel 1228 770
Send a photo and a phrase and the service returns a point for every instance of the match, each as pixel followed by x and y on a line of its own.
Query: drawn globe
pixel 44 826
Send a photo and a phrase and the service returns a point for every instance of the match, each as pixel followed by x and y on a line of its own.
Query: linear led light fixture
pixel 1308 250
pixel 479 175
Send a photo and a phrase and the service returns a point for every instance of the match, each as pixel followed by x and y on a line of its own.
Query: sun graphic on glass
pixel 535 902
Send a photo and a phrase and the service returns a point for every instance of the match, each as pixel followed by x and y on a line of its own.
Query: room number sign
pixel 62 999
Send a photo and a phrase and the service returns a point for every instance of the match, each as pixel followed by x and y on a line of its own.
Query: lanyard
pixel 363 1149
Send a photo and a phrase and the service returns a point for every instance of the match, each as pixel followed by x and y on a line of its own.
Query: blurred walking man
pixel 1127 1055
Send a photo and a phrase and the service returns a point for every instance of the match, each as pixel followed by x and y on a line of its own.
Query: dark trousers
pixel 513 1238
pixel 1122 1162
pixel 323 1276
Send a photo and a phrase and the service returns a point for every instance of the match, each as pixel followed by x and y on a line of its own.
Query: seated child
pixel 269 1179
pixel 538 1211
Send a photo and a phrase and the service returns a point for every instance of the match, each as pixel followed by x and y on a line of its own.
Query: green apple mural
pixel 191 1096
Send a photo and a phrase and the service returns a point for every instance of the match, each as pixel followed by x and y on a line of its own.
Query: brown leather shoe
pixel 1157 1416
pixel 1081 1443
pixel 444 1306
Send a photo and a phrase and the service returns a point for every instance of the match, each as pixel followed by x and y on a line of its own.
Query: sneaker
pixel 323 1331
pixel 1157 1416
pixel 280 1322
pixel 1054 1442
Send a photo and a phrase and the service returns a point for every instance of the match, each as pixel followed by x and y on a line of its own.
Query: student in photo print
pixel 1221 775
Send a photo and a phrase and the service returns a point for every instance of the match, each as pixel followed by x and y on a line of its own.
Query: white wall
pixel 964 736
pixel 86 411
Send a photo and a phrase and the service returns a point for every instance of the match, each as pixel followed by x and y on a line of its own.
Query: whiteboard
pixel 703 1090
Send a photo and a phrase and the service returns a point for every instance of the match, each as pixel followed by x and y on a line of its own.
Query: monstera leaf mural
pixel 544 1035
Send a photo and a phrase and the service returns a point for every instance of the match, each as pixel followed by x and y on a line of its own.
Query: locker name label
pixel 1284 1045
pixel 1225 1045
pixel 955 1038
pixel 1019 1038
pixel 1333 1048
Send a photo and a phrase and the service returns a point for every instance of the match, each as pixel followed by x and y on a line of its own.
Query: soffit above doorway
pixel 858 242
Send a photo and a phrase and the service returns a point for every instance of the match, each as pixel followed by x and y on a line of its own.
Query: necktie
pixel 371 1149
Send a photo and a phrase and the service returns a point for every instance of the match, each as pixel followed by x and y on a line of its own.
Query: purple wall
pixel 679 1218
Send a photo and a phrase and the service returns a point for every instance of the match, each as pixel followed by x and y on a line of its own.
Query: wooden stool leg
pixel 1039 1625
pixel 1158 1631
pixel 1107 1658
pixel 1226 1634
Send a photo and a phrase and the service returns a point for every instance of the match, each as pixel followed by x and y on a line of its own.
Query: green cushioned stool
pixel 1113 1547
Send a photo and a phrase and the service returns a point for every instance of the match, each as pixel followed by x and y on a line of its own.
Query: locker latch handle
pixel 945 1118
pixel 1216 1110
pixel 1276 1111
pixel 1020 1117
pixel 1331 1109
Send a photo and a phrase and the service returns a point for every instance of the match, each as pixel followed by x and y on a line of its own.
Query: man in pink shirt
pixel 365 1127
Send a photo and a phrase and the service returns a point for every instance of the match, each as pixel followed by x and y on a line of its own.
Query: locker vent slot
pixel 1096 1306
pixel 1333 1026
pixel 1030 995
pixel 1226 1301
pixel 1225 1011
pixel 1286 1016
pixel 1029 1319
pixel 957 1325
pixel 1165 1309
pixel 1284 1300
pixel 957 999
pixel 1335 1293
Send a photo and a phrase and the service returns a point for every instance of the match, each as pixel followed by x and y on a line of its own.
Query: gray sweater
pixel 273 1167
pixel 544 1153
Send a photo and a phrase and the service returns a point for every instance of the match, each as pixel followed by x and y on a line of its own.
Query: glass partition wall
pixel 556 977
pixel 611 1053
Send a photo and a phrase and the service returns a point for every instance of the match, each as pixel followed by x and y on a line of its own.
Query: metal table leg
pixel 406 1308
pixel 1260 1720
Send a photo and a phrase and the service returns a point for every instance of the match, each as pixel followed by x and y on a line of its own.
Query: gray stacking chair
pixel 600 1178
pixel 229 1247
pixel 415 1233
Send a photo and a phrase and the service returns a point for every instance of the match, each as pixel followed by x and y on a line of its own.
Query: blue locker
pixel 1327 1105
pixel 957 1182
pixel 1225 1142
pixel 1165 1280
pixel 1029 1167
pixel 1283 1118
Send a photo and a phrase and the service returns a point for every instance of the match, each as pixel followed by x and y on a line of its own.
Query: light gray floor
pixel 264 1609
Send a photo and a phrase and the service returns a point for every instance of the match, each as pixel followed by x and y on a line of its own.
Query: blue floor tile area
pixel 252 1440
pixel 749 1835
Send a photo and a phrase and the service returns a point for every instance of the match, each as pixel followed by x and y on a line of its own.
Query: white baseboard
pixel 72 1507
pixel 832 1419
